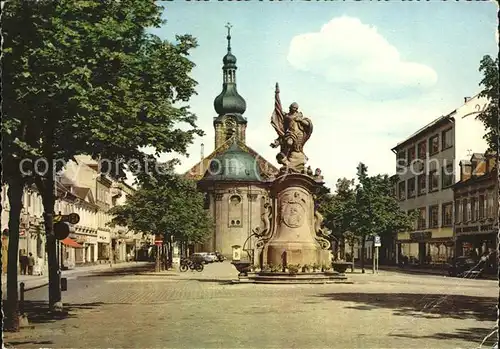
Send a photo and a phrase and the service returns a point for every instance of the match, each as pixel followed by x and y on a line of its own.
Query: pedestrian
pixel 23 261
pixel 31 263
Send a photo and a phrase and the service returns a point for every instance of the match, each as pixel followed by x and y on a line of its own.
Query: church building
pixel 234 178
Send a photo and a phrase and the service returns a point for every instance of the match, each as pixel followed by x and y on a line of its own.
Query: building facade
pixel 81 189
pixel 125 243
pixel 31 230
pixel 234 177
pixel 476 203
pixel 426 164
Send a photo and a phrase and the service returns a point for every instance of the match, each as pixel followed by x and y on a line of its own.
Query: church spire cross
pixel 228 37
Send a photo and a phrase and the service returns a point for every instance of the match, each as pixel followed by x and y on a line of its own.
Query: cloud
pixel 356 57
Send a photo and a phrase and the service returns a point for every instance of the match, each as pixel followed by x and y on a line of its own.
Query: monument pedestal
pixel 294 238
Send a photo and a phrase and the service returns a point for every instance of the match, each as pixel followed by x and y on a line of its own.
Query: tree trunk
pixel 363 241
pixel 164 252
pixel 342 247
pixel 15 194
pixel 48 198
pixel 171 255
pixel 352 257
pixel 46 186
pixel 55 301
pixel 158 262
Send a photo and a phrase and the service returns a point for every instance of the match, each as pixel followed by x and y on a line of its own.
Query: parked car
pixel 210 257
pixel 466 267
pixel 202 257
pixel 213 256
pixel 220 258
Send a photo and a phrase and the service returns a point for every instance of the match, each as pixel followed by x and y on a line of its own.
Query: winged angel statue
pixel 293 132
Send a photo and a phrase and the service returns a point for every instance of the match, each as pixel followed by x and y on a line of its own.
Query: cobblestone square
pixel 141 309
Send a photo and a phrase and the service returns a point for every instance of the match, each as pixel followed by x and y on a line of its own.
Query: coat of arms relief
pixel 293 211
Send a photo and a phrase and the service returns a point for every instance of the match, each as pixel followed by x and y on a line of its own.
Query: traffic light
pixel 62 230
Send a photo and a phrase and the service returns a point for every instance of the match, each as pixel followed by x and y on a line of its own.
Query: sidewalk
pixel 413 270
pixel 38 280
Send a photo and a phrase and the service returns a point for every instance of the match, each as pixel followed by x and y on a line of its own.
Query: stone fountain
pixel 292 234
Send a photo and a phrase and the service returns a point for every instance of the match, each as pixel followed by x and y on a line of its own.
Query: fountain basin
pixel 298 278
pixel 243 267
pixel 340 267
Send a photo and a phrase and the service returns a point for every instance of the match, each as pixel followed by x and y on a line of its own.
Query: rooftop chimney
pixel 466 99
pixel 202 151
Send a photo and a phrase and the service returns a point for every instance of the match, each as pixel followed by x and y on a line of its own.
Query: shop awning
pixel 72 243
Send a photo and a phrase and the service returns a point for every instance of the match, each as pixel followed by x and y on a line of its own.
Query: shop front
pixel 430 247
pixel 130 249
pixel 87 254
pixel 476 241
pixel 103 246
pixel 69 248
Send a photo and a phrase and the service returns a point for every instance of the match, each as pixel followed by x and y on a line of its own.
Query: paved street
pixel 37 280
pixel 136 308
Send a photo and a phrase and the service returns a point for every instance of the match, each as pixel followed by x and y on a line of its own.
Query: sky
pixel 368 74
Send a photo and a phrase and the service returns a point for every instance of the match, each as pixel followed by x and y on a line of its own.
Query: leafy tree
pixel 491 88
pixel 84 77
pixel 354 213
pixel 336 211
pixel 375 210
pixel 166 204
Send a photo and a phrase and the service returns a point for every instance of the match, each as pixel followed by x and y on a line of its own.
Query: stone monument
pixel 293 233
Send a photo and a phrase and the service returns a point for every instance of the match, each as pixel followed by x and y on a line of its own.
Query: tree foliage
pixel 375 209
pixel 489 68
pixel 85 77
pixel 166 204
pixel 369 207
pixel 335 207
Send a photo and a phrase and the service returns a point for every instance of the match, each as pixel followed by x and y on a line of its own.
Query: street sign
pixel 377 242
pixel 73 218
pixel 158 240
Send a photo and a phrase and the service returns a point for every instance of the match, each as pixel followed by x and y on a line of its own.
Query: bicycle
pixel 187 264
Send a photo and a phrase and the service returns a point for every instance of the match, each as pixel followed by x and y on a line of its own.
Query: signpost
pixel 376 244
pixel 62 227
pixel 158 244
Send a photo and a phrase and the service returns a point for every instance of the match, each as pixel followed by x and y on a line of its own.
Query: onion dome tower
pixel 229 105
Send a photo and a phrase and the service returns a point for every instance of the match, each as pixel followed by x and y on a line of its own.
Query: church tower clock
pixel 229 105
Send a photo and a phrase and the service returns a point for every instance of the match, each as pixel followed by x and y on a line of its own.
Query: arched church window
pixel 235 211
pixel 235 200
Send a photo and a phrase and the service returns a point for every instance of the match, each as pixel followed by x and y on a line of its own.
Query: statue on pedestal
pixel 293 130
